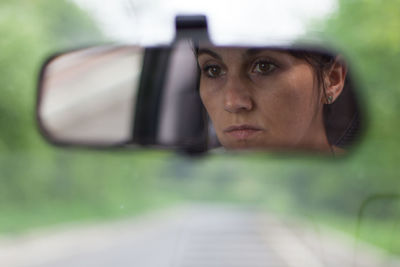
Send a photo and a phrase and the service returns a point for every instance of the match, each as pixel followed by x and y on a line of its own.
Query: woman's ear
pixel 335 78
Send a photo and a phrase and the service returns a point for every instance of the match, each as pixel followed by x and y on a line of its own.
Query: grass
pixel 381 233
pixel 56 187
pixel 53 187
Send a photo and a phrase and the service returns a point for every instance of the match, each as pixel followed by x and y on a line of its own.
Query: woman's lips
pixel 242 132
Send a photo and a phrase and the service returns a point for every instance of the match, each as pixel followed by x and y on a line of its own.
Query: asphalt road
pixel 191 236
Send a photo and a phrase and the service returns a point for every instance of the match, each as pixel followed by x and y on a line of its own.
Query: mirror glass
pixel 88 96
pixel 202 97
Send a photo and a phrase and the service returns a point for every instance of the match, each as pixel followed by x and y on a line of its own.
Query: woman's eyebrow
pixel 256 51
pixel 209 52
pixel 253 51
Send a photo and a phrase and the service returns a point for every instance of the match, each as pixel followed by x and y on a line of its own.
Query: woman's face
pixel 261 98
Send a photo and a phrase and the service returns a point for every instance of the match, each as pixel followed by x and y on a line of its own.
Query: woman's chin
pixel 243 145
pixel 257 145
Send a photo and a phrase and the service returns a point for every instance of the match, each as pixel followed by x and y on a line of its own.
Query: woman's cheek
pixel 283 109
pixel 210 101
pixel 211 93
pixel 211 86
pixel 214 105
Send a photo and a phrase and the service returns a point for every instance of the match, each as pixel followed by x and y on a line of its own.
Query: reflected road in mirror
pixel 87 95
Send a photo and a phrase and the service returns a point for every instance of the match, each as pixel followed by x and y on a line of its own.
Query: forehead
pixel 233 55
pixel 241 52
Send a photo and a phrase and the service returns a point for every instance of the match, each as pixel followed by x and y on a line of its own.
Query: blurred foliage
pixel 31 30
pixel 334 191
pixel 40 185
pixel 371 37
pixel 368 32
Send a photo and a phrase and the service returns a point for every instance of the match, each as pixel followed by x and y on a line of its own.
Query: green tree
pixel 29 31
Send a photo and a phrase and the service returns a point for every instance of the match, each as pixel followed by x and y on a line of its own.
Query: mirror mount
pixel 193 27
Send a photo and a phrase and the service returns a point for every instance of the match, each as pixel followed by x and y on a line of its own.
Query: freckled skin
pixel 282 100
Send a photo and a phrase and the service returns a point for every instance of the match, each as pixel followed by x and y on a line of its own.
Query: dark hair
pixel 320 62
pixel 341 118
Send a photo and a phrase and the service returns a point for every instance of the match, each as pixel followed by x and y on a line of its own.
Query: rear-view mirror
pixel 122 96
pixel 197 96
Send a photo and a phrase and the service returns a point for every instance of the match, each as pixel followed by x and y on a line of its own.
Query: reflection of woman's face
pixel 261 98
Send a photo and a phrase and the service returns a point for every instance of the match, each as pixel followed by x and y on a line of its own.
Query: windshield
pixel 147 207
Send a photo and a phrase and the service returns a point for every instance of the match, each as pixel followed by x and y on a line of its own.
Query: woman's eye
pixel 263 67
pixel 213 71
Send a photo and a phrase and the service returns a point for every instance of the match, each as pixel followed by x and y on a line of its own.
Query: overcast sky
pixel 152 21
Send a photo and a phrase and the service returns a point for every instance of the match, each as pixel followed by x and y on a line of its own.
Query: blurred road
pixel 192 236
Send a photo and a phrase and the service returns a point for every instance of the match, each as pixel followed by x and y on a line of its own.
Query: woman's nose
pixel 237 97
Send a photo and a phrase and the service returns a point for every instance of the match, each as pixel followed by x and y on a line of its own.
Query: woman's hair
pixel 341 118
pixel 321 63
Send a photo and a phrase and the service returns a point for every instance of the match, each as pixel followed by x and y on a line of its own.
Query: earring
pixel 329 99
